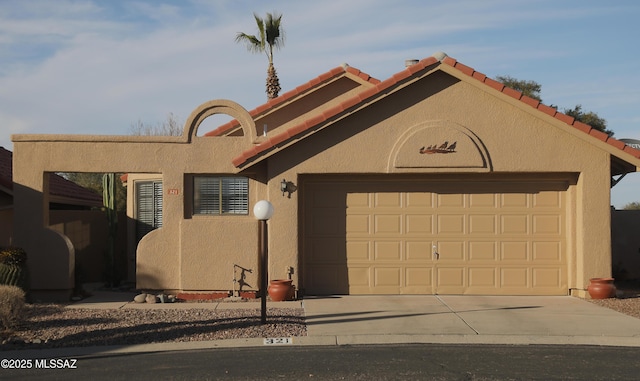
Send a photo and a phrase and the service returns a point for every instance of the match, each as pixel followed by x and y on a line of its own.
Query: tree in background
pixel 632 206
pixel 590 118
pixel 170 127
pixel 532 89
pixel 269 38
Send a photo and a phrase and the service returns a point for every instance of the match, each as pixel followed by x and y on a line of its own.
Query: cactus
pixel 109 202
pixel 13 268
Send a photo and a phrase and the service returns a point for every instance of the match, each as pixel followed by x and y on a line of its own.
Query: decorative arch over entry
pixel 219 106
pixel 439 144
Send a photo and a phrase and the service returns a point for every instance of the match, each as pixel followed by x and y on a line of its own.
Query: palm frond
pixel 252 43
pixel 274 30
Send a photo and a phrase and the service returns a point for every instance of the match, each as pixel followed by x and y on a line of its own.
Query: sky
pixel 102 66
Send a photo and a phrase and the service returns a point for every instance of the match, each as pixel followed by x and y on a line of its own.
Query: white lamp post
pixel 263 210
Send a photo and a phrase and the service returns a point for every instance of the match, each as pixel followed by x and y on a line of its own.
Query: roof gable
pixel 426 66
pixel 569 120
pixel 333 82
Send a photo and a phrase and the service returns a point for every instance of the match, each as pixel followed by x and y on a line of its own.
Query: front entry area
pixel 446 235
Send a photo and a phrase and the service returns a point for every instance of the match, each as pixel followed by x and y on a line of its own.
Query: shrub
pixel 11 305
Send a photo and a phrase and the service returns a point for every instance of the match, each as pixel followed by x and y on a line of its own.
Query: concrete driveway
pixel 383 319
pixel 468 319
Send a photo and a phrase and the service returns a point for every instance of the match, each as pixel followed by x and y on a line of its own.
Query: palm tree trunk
pixel 273 83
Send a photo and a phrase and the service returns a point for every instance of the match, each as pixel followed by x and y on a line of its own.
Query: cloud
pixel 97 67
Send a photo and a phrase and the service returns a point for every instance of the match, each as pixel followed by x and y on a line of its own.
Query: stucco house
pixel 435 180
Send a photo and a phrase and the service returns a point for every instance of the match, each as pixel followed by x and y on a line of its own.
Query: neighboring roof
pixel 58 186
pixel 299 131
pixel 6 169
pixel 298 91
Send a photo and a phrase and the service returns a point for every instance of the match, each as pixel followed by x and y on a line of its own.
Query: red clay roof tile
pixel 464 68
pixel 530 101
pixel 565 118
pixel 479 76
pixel 616 143
pixel 291 94
pixel 350 102
pixel 493 83
pixel 402 75
pixel 368 93
pixel 632 151
pixel 277 139
pixel 512 93
pixel 300 128
pixel 412 70
pixel 450 61
pixel 547 109
pixel 582 126
pixel 385 84
pixel 599 134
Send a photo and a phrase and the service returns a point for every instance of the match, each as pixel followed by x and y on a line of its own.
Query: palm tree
pixel 270 38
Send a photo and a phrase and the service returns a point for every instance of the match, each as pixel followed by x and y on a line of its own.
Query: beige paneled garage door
pixel 427 237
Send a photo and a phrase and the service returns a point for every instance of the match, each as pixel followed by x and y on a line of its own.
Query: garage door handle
pixel 436 255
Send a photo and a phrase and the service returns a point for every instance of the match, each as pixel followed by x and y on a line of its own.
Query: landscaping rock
pixel 151 298
pixel 141 298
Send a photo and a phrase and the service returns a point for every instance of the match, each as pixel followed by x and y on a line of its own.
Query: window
pixel 148 207
pixel 220 195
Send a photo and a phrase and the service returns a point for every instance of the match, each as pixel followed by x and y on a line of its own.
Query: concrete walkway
pixel 442 319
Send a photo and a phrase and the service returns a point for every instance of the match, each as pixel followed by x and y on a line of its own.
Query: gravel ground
pixel 628 300
pixel 53 326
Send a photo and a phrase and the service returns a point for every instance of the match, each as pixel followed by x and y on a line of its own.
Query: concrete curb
pixel 102 351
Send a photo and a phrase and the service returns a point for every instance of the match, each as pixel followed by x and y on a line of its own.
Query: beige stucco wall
pixel 517 140
pixel 159 253
pixel 198 253
pixel 88 231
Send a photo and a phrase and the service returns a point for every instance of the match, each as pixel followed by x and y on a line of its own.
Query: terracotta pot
pixel 280 289
pixel 601 288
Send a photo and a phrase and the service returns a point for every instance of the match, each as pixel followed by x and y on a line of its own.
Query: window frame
pixel 144 227
pixel 226 195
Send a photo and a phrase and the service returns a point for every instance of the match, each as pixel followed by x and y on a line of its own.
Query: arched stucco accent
pixel 219 106
pixel 50 254
pixel 439 144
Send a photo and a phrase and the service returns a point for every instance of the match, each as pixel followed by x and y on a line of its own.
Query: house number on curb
pixel 278 341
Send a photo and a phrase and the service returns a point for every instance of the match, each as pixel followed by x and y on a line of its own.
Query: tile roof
pixel 273 103
pixel 58 186
pixel 304 127
pixel 6 168
pixel 542 107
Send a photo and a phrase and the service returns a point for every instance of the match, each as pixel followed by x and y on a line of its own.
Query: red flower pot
pixel 601 288
pixel 280 289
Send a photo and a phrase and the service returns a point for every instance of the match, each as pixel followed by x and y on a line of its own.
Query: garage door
pixel 433 237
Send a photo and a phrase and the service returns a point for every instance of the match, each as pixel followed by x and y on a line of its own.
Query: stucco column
pixel 50 255
pixel 593 223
